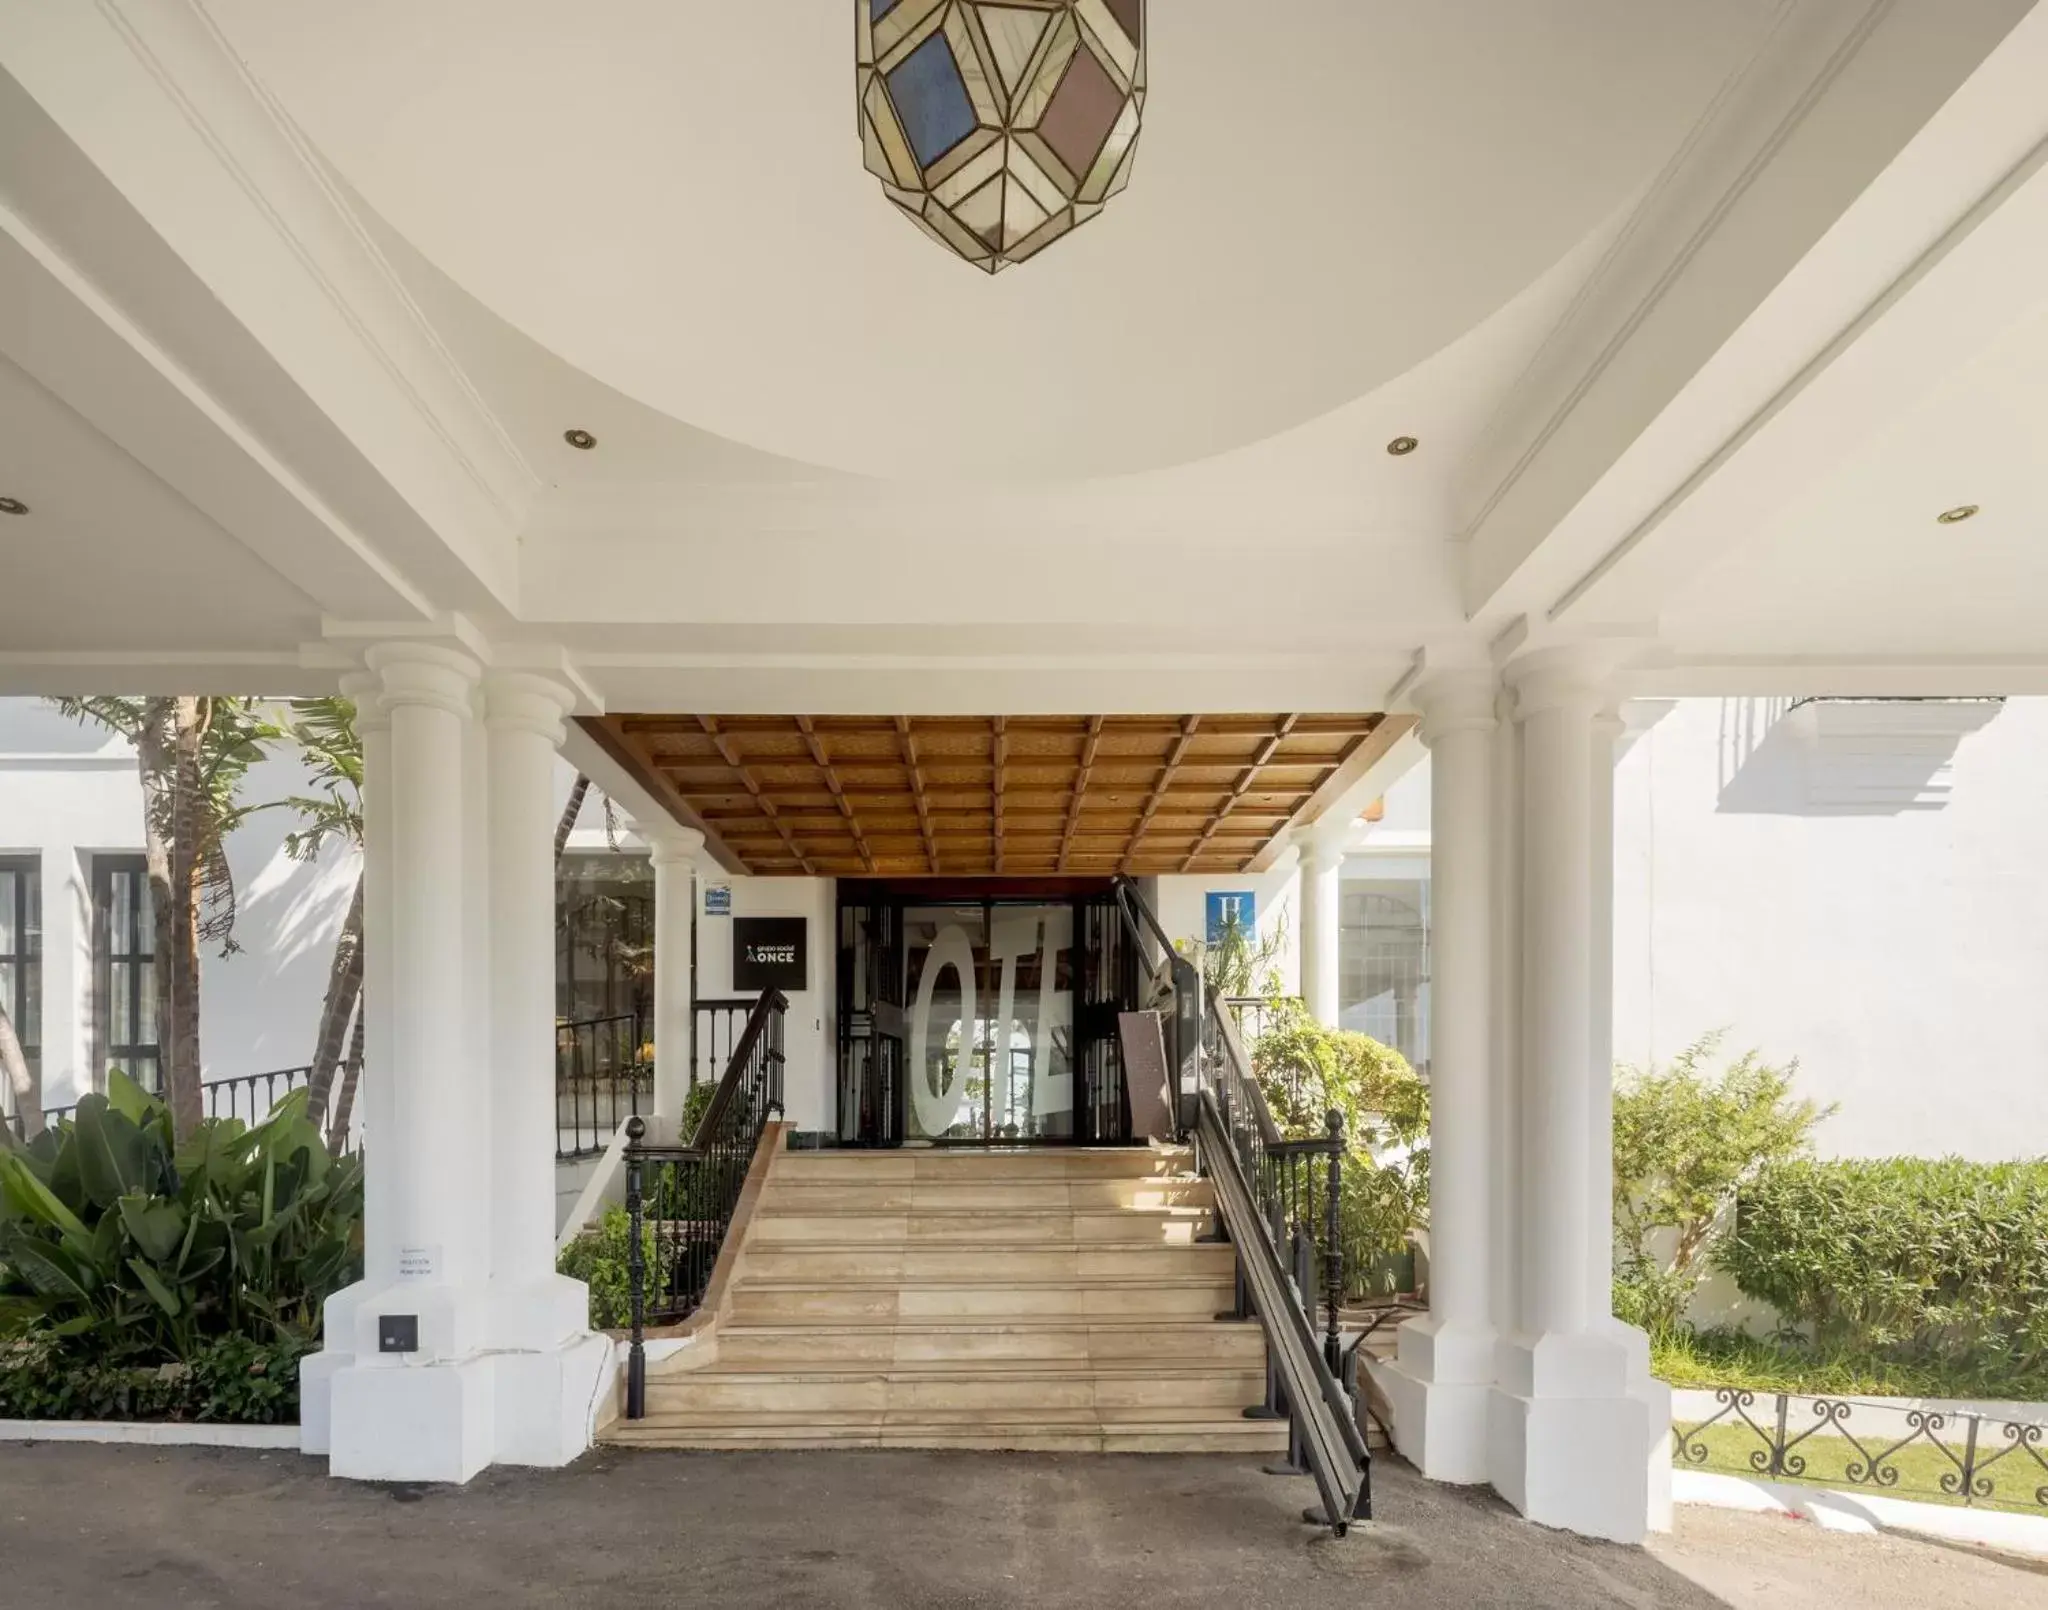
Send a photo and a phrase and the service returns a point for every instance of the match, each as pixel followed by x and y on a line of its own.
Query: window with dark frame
pixel 124 971
pixel 21 952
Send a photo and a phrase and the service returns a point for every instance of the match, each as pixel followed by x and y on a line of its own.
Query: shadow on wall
pixel 1842 757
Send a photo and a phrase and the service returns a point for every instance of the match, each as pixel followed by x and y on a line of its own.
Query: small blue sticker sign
pixel 718 900
pixel 1228 909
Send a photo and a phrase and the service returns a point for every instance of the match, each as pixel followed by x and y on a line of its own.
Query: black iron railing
pixel 603 1076
pixel 680 1199
pixel 716 1031
pixel 1945 1456
pixel 1280 1199
pixel 247 1096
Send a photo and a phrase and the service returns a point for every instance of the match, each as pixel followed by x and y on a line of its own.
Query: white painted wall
pixel 1900 955
pixel 810 1031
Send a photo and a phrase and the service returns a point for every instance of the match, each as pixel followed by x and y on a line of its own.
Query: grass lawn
pixel 2015 1478
pixel 1728 1358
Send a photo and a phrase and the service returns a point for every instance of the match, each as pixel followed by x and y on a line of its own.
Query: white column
pixel 1320 912
pixel 675 851
pixel 533 1307
pixel 1439 1384
pixel 1575 1442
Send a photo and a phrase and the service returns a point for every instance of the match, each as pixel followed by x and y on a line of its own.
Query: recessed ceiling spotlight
pixel 1957 515
pixel 1402 446
pixel 13 506
pixel 581 439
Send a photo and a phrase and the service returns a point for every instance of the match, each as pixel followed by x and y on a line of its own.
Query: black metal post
pixel 636 1267
pixel 1333 1246
pixel 1970 1462
pixel 1778 1445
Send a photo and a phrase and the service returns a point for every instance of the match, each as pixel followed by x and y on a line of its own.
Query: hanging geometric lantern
pixel 998 125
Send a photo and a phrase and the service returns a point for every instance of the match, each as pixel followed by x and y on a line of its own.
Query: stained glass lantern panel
pixel 998 127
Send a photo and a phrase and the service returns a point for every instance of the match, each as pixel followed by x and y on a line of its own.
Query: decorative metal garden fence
pixel 1945 1455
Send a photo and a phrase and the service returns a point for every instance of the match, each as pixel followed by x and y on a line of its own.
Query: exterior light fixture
pixel 1402 446
pixel 579 439
pixel 1957 515
pixel 13 506
pixel 998 127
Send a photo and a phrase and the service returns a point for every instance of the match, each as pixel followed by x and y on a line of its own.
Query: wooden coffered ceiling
pixel 909 796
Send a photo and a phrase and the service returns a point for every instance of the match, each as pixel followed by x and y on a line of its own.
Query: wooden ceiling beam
pixel 823 761
pixel 1243 785
pixel 731 757
pixel 999 753
pixel 908 742
pixel 1188 727
pixel 1088 747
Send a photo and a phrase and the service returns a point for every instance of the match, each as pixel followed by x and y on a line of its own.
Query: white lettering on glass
pixel 938 1107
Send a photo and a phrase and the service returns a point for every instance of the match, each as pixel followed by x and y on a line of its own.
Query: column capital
pixel 363 690
pixel 424 674
pixel 1463 700
pixel 1570 677
pixel 525 701
pixel 1314 847
pixel 672 844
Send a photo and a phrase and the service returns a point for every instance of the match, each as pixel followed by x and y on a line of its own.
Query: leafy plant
pixel 1922 1259
pixel 695 1104
pixel 599 1258
pixel 236 1379
pixel 1308 1070
pixel 121 1245
pixel 1241 961
pixel 1685 1140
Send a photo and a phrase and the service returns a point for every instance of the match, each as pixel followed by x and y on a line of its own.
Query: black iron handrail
pixel 696 1188
pixel 1281 1201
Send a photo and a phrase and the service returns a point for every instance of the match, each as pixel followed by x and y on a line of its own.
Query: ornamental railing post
pixel 1333 1250
pixel 636 1269
pixel 1778 1443
pixel 1970 1460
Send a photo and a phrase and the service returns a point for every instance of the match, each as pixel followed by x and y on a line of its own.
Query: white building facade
pixel 1690 352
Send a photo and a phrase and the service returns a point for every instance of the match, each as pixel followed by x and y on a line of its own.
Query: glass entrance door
pixel 980 1021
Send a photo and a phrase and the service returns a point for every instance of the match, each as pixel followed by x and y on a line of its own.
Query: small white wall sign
pixel 419 1263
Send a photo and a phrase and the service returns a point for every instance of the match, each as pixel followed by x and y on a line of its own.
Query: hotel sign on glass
pixel 769 953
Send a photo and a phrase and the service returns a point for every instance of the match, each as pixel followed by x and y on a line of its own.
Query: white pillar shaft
pixel 1319 919
pixel 522 984
pixel 431 1123
pixel 1600 1026
pixel 1460 1023
pixel 375 1116
pixel 675 894
pixel 1557 1083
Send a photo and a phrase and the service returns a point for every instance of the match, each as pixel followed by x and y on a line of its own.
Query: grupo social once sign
pixel 768 953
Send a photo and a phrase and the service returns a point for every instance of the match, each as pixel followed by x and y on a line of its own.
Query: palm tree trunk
pixel 344 985
pixel 570 812
pixel 176 862
pixel 25 1085
pixel 352 1073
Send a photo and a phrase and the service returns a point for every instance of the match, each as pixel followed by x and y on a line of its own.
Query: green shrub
pixel 1685 1140
pixel 1308 1070
pixel 695 1104
pixel 124 1246
pixel 598 1257
pixel 1939 1259
pixel 235 1380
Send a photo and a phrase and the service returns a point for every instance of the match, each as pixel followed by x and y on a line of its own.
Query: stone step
pixel 993 1302
pixel 1135 1430
pixel 1044 1386
pixel 827 1346
pixel 829 1264
pixel 1172 1226
pixel 794 1194
pixel 951 1165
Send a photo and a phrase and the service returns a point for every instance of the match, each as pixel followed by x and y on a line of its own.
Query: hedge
pixel 1941 1259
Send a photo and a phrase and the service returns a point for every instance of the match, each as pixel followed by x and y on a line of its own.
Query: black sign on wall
pixel 768 953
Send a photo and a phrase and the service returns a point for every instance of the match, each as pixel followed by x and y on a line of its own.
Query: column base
pixel 1440 1387
pixel 538 1315
pixel 1576 1442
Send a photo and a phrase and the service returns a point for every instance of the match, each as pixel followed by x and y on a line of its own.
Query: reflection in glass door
pixel 991 1015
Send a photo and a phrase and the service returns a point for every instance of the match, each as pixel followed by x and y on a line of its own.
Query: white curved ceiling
pixel 669 195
